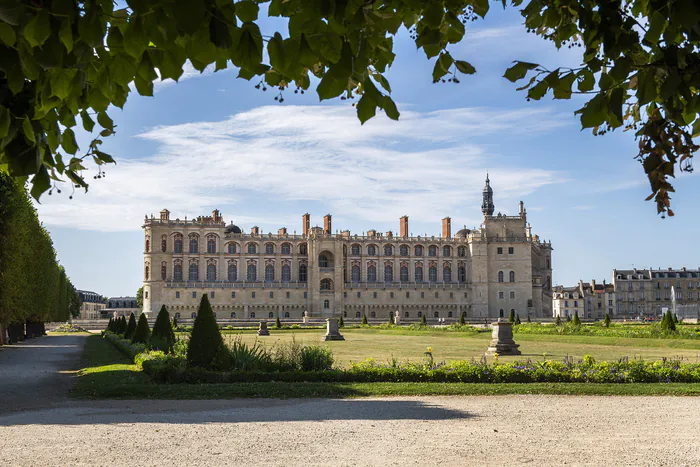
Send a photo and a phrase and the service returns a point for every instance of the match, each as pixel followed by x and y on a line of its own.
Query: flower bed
pixel 649 331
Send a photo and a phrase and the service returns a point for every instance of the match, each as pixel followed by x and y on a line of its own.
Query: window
pixel 211 246
pixel 211 272
pixel 566 303
pixel 345 295
pixel 446 274
pixel 177 272
pixel 403 250
pixel 500 313
pixel 449 314
pixel 371 273
pixel 462 274
pixel 374 295
pixel 388 273
pixel 303 249
pixel 465 294
pixel 178 245
pixel 500 276
pixel 499 251
pixel 432 250
pixel 194 272
pixel 286 273
pixel 391 294
pixel 252 248
pixel 420 314
pixel 232 272
pixel 289 295
pixel 422 295
pixel 286 314
pixel 403 273
pixel 406 315
pixel 145 272
pixel 322 260
pixel 432 274
pixel 326 304
pixel 194 247
pixel 575 303
pixel 436 295
pixel 357 314
pixel 269 248
pixel 461 251
pixel 408 294
pixel 252 274
pixel 446 251
pixel 194 315
pixel 418 250
pixel 436 314
pixel 452 295
pixel 418 274
pixel 212 294
pixel 164 244
pixel 163 271
pixel 358 294
pixel 302 273
pixel 355 275
pixel 373 314
pixel 252 295
pixel 231 248
pixel 388 251
pixel 548 264
pixel 500 295
pixel 233 294
pixel 269 273
pixel 286 249
pixel 511 250
pixel 511 276
pixel 177 294
pixel 233 314
pixel 355 250
pixel 371 250
pixel 272 295
pixel 326 284
pixel 194 294
pixel 512 295
pixel 305 294
pixel 148 245
pixel 252 314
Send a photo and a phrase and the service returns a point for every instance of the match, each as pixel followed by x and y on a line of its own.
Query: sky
pixel 212 141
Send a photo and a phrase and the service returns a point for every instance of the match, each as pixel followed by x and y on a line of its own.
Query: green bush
pixel 646 331
pixel 364 319
pixel 109 324
pixel 206 347
pixel 131 327
pixel 606 321
pixel 517 319
pixel 568 318
pixel 174 323
pixel 163 336
pixel 577 320
pixel 125 346
pixel 341 323
pixel 461 318
pixel 278 324
pixel 423 320
pixel 391 318
pixel 142 334
pixel 122 325
pixel 511 318
pixel 244 357
pixel 557 321
pixel 316 358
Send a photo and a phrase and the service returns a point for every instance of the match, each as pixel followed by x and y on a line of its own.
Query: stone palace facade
pixel 484 273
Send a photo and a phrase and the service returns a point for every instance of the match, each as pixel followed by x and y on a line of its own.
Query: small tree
pixel 517 318
pixel 109 324
pixel 163 337
pixel 606 321
pixel 423 320
pixel 528 319
pixel 206 346
pixel 391 318
pixel 511 318
pixel 461 318
pixel 122 325
pixel 278 324
pixel 341 323
pixel 568 318
pixel 364 319
pixel 131 327
pixel 667 323
pixel 557 321
pixel 142 334
pixel 174 323
pixel 577 320
pixel 675 318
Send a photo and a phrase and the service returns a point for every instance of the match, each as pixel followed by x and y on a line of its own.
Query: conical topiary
pixel 557 321
pixel 577 320
pixel 142 334
pixel 568 318
pixel 131 327
pixel 423 320
pixel 364 319
pixel 461 318
pixel 391 318
pixel 122 325
pixel 174 323
pixel 341 323
pixel 511 318
pixel 517 319
pixel 278 324
pixel 109 324
pixel 163 336
pixel 206 346
pixel 606 321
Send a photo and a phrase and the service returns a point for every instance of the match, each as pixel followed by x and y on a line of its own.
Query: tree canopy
pixel 66 61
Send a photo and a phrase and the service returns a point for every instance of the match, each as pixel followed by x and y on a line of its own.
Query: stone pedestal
pixel 332 333
pixel 305 318
pixel 262 330
pixel 502 340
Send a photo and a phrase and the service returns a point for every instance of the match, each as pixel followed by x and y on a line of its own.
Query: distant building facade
pixel 588 299
pixel 567 301
pixel 92 304
pixel 122 306
pixel 647 292
pixel 483 273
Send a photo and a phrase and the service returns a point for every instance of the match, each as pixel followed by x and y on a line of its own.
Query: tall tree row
pixel 34 288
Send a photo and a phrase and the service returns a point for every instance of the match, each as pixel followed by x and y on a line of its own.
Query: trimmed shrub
pixel 667 323
pixel 278 324
pixel 557 321
pixel 568 318
pixel 423 320
pixel 341 323
pixel 391 318
pixel 316 358
pixel 511 318
pixel 517 319
pixel 606 321
pixel 109 325
pixel 163 336
pixel 122 325
pixel 131 327
pixel 364 319
pixel 142 334
pixel 461 318
pixel 174 323
pixel 206 347
pixel 577 320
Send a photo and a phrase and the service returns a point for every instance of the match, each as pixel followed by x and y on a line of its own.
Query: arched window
pixel 436 315
pixel 252 248
pixel 355 250
pixel 286 314
pixel 356 273
pixel 163 270
pixel 461 251
pixel 420 314
pixel 252 273
pixel 177 315
pixel 211 272
pixel 404 273
pixel 432 250
pixel 193 315
pixel 269 273
pixel 403 250
pixel 500 313
pixel 302 273
pixel 323 260
pixel 418 250
pixel 286 249
pixel 357 314
pixel 388 273
pixel 269 248
pixel 145 272
pixel 432 274
pixel 231 248
pixel 371 273
pixel 164 243
pixel 462 273
pixel 211 246
pixel 303 249
pixel 446 251
pixel 511 276
pixel 449 314
pixel 418 274
pixel 512 310
pixel 371 250
pixel 373 314
pixel 446 274
pixel 500 276
pixel 233 314
pixel 178 245
pixel 252 314
pixel 388 251
pixel 194 245
pixel 148 245
pixel 270 315
pixel 286 273
pixel 326 304
pixel 345 314
pixel 177 272
pixel 232 272
pixel 194 272
pixel 406 314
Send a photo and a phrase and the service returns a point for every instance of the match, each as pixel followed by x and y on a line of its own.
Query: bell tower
pixel 487 204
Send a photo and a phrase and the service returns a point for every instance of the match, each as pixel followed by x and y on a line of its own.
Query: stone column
pixel 332 333
pixel 502 339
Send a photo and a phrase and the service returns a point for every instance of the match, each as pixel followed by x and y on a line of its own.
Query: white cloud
pixel 188 72
pixel 253 162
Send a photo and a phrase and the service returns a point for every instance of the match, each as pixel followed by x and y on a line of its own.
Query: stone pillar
pixel 332 333
pixel 502 339
pixel 305 317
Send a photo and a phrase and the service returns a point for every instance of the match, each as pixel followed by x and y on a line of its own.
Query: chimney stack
pixel 255 230
pixel 327 224
pixel 305 224
pixel 446 227
pixel 389 234
pixel 403 229
pixel 282 231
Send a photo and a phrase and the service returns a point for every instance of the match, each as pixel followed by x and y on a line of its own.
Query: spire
pixel 487 206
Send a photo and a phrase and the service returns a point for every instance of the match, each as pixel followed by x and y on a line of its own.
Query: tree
pixel 568 318
pixel 278 324
pixel 130 327
pixel 577 320
pixel 63 60
pixel 109 324
pixel 517 319
pixel 122 325
pixel 557 321
pixel 667 322
pixel 206 345
pixel 606 321
pixel 364 319
pixel 511 318
pixel 142 334
pixel 461 318
pixel 391 318
pixel 163 336
pixel 139 298
pixel 423 320
pixel 174 323
pixel 341 323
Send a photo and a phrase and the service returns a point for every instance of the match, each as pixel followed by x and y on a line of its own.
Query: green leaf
pixel 61 82
pixel 390 108
pixel 88 122
pixel 5 120
pixel 28 130
pixel 382 80
pixel 104 121
pixel 331 87
pixel 366 108
pixel 562 89
pixel 615 106
pixel 66 35
pixel 646 87
pixel 587 81
pixel 68 141
pixel 122 69
pixel 219 33
pixel 538 90
pixel 432 15
pixel 247 11
pixel 104 157
pixel 465 67
pixel 38 29
pixel 7 34
pixel 657 25
pixel 518 71
pixel 249 50
pixel 594 113
pixel 189 15
pixel 275 49
pixel 40 182
pixel 442 66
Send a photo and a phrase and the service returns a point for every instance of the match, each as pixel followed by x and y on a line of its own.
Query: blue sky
pixel 214 141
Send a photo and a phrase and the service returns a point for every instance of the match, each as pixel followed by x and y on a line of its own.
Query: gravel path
pixel 497 430
pixel 37 373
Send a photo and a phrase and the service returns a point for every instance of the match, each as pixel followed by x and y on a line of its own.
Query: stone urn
pixel 262 330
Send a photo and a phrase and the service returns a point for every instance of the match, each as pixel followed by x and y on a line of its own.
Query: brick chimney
pixel 403 229
pixel 446 227
pixel 282 231
pixel 255 230
pixel 389 234
pixel 327 224
pixel 305 224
